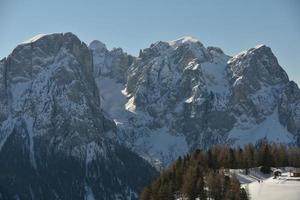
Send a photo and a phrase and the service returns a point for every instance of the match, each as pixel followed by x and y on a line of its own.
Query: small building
pixel 295 172
pixel 277 172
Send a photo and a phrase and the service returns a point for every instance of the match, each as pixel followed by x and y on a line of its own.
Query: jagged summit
pixel 258 63
pixel 50 35
pixel 261 48
pixel 183 40
pixel 33 39
pixel 97 45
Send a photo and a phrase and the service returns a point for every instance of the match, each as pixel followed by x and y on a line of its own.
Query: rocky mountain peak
pixel 96 45
pixel 186 40
pixel 215 50
pixel 184 45
pixel 44 39
pixel 258 64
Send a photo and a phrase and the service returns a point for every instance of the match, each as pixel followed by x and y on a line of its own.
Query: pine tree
pixel 200 191
pixel 146 194
pixel 189 184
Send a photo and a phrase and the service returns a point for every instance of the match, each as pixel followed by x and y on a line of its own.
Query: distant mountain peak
pixel 183 40
pixel 97 45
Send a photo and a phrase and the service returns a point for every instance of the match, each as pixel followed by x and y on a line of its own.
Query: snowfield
pixel 265 187
pixel 275 189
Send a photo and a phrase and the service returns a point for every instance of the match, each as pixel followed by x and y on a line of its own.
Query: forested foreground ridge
pixel 204 174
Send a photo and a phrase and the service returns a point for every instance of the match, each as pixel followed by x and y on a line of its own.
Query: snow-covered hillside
pixel 265 187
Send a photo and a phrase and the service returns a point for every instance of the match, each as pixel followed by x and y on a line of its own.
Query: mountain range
pixel 80 121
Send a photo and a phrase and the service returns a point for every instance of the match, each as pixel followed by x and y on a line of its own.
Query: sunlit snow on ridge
pixel 33 39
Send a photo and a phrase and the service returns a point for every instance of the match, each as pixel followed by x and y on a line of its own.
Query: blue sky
pixel 233 25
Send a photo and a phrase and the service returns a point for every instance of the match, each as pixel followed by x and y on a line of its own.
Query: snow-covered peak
pixel 261 49
pixel 183 40
pixel 34 38
pixel 68 36
pixel 97 45
pixel 260 46
pixel 259 64
pixel 258 49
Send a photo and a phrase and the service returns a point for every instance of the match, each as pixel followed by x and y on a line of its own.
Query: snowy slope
pixel 274 189
pixel 270 129
pixel 264 187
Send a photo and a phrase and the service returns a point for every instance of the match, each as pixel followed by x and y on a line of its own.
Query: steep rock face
pixel 114 63
pixel 258 80
pixel 180 95
pixel 55 141
pixel 3 96
pixel 183 88
pixel 289 109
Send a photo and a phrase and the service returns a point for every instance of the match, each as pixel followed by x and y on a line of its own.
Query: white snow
pixel 259 46
pixel 162 145
pixel 215 77
pixel 130 106
pixel 157 144
pixel 269 129
pixel 275 189
pixel 182 40
pixel 261 186
pixel 113 100
pixel 33 39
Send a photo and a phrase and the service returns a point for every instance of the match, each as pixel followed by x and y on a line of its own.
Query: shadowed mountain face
pixel 71 116
pixel 55 141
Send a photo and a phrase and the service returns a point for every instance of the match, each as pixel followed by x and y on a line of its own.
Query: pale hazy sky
pixel 233 25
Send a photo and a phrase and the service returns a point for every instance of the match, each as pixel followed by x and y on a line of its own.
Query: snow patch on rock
pixel 33 39
pixel 270 129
